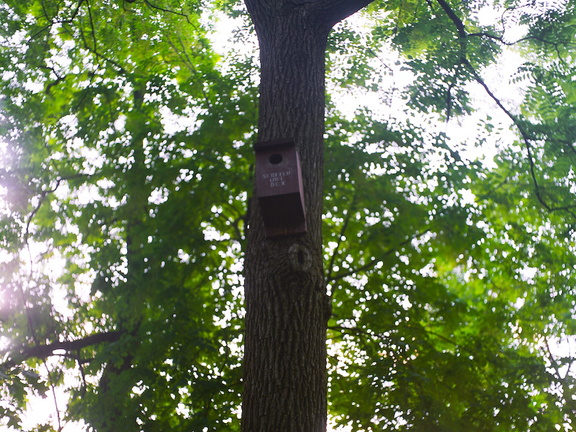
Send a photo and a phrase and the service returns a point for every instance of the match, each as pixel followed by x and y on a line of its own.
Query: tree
pixel 126 153
pixel 287 307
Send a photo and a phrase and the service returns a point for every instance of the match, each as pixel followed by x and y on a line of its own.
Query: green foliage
pixel 126 158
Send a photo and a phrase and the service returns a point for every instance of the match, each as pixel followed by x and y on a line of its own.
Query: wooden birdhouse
pixel 279 188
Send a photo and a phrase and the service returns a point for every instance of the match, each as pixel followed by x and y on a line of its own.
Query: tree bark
pixel 286 303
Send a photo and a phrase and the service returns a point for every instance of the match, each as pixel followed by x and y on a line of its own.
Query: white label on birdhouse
pixel 277 179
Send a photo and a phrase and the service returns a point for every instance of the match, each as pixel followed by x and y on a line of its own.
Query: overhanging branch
pixel 337 10
pixel 43 351
pixel 527 144
pixel 526 139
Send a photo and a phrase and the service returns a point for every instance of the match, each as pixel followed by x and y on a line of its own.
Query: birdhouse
pixel 279 188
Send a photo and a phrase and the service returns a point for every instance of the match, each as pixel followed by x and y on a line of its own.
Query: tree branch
pixel 337 10
pixel 462 36
pixel 373 262
pixel 453 17
pixel 526 139
pixel 325 13
pixel 341 236
pixel 43 351
pixel 94 47
pixel 161 9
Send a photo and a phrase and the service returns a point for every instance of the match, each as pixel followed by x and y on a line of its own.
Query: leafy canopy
pixel 126 137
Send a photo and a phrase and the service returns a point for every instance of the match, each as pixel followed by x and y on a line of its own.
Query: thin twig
pixel 153 6
pixel 373 262
pixel 341 236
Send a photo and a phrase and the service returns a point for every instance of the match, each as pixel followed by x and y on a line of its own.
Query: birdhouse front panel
pixel 279 187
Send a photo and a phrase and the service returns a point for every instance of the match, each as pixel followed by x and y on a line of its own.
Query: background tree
pixel 126 153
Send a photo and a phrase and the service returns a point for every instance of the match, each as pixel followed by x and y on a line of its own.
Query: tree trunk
pixel 286 303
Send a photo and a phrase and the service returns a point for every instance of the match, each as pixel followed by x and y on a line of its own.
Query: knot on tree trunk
pixel 300 257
